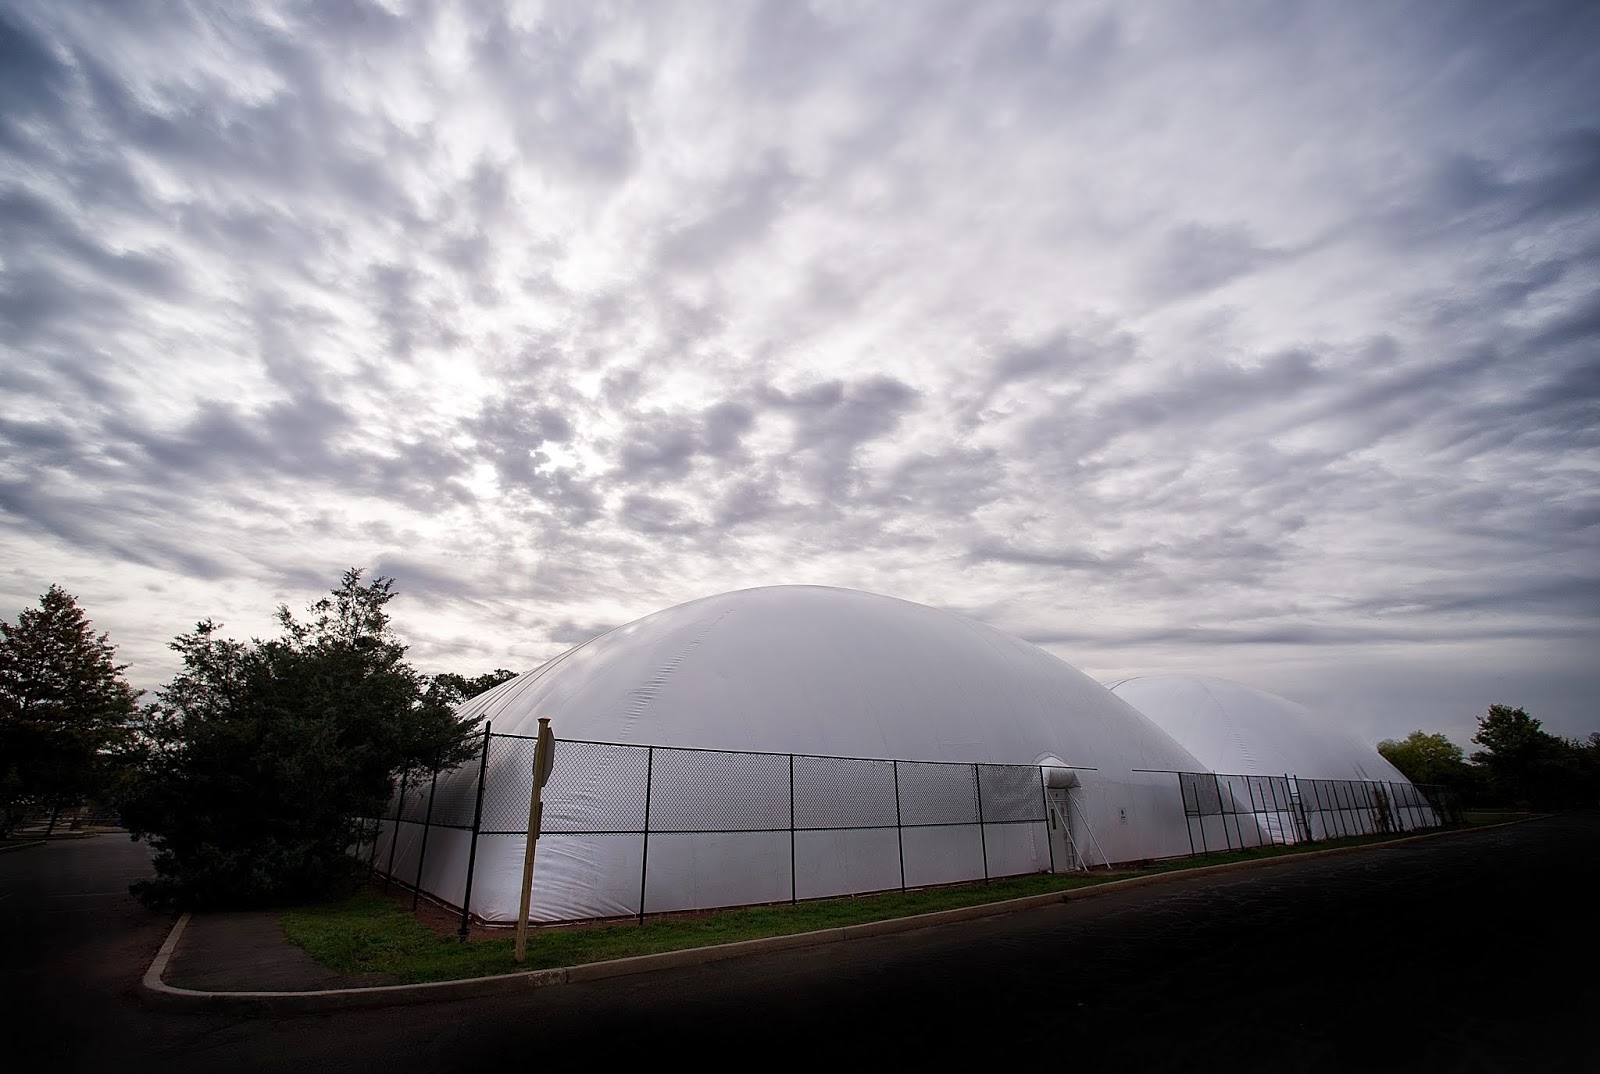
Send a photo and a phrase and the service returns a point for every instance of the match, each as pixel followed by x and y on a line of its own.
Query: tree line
pixel 249 769
pixel 1521 765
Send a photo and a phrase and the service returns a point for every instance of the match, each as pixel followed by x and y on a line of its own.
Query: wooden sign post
pixel 543 753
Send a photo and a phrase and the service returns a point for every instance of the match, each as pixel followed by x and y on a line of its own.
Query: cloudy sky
pixel 1252 339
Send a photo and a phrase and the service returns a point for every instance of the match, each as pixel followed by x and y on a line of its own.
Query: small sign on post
pixel 543 755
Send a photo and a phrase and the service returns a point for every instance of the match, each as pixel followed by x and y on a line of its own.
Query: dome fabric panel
pixel 1237 729
pixel 819 670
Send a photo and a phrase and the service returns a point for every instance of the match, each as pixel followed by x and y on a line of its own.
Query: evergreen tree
pixel 64 706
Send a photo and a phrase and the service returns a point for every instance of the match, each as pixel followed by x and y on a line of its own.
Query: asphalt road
pixel 1475 952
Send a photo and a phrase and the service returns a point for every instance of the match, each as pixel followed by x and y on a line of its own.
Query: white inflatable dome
pixel 1237 729
pixel 819 670
pixel 815 671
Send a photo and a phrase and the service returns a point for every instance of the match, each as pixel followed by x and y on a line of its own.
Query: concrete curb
pixel 22 846
pixel 158 992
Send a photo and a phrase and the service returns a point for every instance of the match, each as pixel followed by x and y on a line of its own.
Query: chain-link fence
pixel 883 810
pixel 846 825
pixel 1234 812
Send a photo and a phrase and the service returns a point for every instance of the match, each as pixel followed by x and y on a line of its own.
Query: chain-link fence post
pixel 377 831
pixel 1233 806
pixel 427 819
pixel 983 838
pixel 394 840
pixel 1049 821
pixel 1285 807
pixel 1257 818
pixel 477 822
pixel 794 896
pixel 1269 818
pixel 899 830
pixel 361 839
pixel 1297 810
pixel 644 861
pixel 1188 821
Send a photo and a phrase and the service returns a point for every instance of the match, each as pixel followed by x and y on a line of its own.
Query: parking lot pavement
pixel 1471 952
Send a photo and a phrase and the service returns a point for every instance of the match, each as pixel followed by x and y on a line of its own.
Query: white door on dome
pixel 1065 830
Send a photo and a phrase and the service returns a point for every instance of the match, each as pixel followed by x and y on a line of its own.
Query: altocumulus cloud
pixel 1252 340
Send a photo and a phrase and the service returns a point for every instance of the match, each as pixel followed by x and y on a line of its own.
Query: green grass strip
pixel 370 933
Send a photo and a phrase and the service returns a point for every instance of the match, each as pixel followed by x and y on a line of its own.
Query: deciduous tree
pixel 452 689
pixel 1426 758
pixel 1525 764
pixel 263 756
